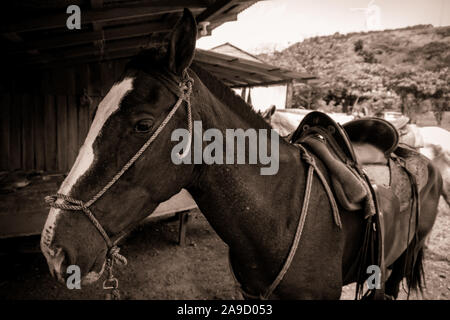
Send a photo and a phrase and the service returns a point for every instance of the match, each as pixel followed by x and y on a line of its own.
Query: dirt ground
pixel 160 269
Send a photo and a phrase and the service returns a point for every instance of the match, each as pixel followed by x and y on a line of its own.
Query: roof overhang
pixel 35 35
pixel 237 72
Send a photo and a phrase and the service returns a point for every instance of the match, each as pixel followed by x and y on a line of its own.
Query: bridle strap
pixel 69 203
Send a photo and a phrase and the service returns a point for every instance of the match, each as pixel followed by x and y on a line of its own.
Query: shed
pixel 54 77
pixel 261 83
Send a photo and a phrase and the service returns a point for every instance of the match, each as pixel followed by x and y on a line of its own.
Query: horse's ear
pixel 182 43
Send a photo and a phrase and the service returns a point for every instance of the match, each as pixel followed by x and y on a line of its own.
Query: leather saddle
pixel 369 171
pixel 359 152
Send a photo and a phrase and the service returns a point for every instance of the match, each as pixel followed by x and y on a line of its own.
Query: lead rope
pixel 69 203
pixel 303 214
pixel 301 223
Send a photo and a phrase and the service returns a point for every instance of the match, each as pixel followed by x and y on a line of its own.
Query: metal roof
pixel 238 72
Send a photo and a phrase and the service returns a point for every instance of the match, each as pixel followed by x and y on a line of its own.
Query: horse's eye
pixel 143 126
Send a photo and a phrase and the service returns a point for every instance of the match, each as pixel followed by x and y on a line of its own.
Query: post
pixel 243 93
pixel 289 94
pixel 183 218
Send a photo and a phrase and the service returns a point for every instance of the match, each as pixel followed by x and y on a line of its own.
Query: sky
pixel 276 24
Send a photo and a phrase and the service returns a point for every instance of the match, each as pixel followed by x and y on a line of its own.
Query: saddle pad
pixel 394 195
pixel 415 163
pixel 367 154
pixel 378 174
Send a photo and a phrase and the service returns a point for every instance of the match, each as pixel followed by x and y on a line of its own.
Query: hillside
pixel 398 67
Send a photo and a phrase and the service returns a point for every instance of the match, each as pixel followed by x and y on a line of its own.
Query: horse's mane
pixel 229 97
pixel 154 59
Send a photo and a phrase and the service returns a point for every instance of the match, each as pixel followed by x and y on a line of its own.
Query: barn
pixel 54 77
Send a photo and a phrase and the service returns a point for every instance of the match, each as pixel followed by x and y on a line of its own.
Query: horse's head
pixel 133 114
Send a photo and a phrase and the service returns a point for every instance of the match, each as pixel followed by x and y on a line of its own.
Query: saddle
pixel 370 172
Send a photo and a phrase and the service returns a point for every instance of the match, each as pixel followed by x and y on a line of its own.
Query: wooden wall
pixel 45 115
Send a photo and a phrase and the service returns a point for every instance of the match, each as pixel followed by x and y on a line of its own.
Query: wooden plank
pixel 60 81
pixel 15 150
pixel 259 84
pixel 93 106
pixel 78 38
pixel 39 128
pixel 96 4
pixel 62 63
pixel 72 130
pixel 61 132
pixel 51 164
pixel 83 121
pixel 119 68
pixel 107 77
pixel 40 22
pixel 27 132
pixel 24 212
pixel 109 48
pixel 70 87
pixel 95 80
pixel 5 106
pixel 81 79
pixel 215 10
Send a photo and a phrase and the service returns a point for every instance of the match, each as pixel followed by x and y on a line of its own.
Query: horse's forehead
pixel 85 157
pixel 107 107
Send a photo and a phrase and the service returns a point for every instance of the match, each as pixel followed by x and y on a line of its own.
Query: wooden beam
pixel 260 84
pixel 63 63
pixel 183 218
pixel 91 16
pixel 109 47
pixel 96 4
pixel 82 38
pixel 216 10
pixel 13 37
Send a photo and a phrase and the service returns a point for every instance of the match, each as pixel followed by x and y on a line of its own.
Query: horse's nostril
pixel 58 263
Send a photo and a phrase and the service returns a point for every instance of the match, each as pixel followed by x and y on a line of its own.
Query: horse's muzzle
pixel 57 262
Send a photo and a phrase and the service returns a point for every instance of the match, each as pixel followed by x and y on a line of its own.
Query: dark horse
pixel 255 215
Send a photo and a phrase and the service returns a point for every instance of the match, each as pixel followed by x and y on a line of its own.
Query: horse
pixel 436 146
pixel 125 168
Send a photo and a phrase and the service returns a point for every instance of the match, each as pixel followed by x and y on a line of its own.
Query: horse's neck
pixel 242 205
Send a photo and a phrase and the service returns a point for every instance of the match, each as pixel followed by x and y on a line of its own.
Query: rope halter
pixel 183 93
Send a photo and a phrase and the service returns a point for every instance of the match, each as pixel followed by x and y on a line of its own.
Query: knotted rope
pixel 69 203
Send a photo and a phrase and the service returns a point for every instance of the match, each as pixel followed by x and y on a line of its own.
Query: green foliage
pixel 378 69
pixel 358 45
